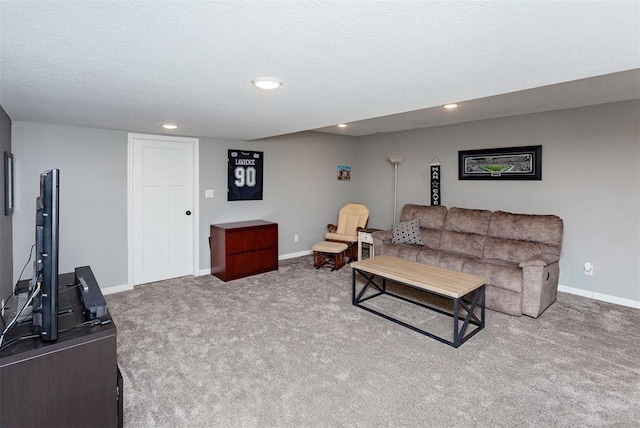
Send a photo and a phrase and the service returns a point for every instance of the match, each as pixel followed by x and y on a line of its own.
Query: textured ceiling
pixel 135 64
pixel 608 88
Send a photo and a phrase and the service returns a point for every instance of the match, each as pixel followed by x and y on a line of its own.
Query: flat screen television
pixel 45 278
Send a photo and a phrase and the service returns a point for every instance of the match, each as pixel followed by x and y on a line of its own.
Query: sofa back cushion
pixel 518 237
pixel 510 250
pixel 465 231
pixel 430 219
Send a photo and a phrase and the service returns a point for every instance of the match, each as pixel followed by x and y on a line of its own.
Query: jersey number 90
pixel 245 176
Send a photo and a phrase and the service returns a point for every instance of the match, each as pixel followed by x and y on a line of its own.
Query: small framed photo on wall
pixel 344 173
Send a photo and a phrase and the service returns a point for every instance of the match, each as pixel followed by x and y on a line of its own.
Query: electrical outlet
pixel 588 269
pixel 295 238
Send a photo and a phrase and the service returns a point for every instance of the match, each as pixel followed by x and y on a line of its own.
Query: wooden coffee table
pixel 466 291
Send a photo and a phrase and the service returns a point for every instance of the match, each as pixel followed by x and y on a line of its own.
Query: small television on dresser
pixel 44 284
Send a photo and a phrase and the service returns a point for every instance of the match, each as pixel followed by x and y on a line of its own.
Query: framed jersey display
pixel 244 181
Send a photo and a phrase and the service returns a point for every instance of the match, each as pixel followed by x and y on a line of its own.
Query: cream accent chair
pixel 351 218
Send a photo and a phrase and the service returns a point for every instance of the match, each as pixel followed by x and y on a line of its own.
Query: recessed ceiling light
pixel 267 82
pixel 342 125
pixel 169 126
pixel 450 106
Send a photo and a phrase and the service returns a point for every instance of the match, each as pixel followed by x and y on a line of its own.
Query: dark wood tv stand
pixel 71 382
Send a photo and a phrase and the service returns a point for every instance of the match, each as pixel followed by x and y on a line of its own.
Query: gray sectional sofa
pixel 517 254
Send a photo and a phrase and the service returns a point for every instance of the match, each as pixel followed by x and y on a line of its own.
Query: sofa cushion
pixel 502 300
pixel 404 251
pixel 467 221
pixel 465 231
pixel 431 237
pixel 543 229
pixel 497 273
pixel 429 257
pixel 407 232
pixel 408 251
pixel 462 243
pixel 429 217
pixel 510 250
pixel 442 259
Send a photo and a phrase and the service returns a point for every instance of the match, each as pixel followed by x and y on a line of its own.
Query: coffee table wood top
pixel 438 280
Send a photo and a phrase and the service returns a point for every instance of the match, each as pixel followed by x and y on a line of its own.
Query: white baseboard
pixel 203 272
pixel 116 289
pixel 599 296
pixel 294 255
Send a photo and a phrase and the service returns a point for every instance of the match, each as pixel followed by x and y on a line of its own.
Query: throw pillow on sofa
pixel 407 232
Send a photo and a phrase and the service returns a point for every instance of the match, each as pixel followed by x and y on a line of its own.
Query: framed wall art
pixel 8 183
pixel 244 178
pixel 344 173
pixel 505 163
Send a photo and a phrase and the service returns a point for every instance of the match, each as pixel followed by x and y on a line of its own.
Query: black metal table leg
pixel 456 333
pixel 459 332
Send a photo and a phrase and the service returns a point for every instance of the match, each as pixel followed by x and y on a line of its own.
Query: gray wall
pixel 301 191
pixel 590 178
pixel 93 195
pixel 6 254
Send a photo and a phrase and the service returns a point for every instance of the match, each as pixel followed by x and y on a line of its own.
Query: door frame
pixel 195 203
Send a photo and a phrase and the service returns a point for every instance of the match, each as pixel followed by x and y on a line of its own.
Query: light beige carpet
pixel 287 349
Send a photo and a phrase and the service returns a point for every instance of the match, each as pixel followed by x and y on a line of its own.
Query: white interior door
pixel 162 206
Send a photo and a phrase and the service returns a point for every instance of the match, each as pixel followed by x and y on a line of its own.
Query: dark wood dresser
pixel 243 248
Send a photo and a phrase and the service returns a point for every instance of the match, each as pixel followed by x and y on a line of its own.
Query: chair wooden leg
pixel 351 251
pixel 338 261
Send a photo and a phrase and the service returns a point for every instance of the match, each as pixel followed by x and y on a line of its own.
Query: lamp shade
pixel 395 158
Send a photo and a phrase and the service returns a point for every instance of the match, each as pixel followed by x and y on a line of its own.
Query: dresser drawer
pixel 251 263
pixel 251 239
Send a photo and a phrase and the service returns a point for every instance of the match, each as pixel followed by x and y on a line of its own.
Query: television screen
pixel 45 280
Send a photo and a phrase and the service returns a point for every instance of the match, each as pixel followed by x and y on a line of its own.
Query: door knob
pixel 188 212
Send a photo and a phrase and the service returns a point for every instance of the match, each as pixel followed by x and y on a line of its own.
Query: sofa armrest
pixel 381 239
pixel 539 260
pixel 540 276
pixel 383 235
